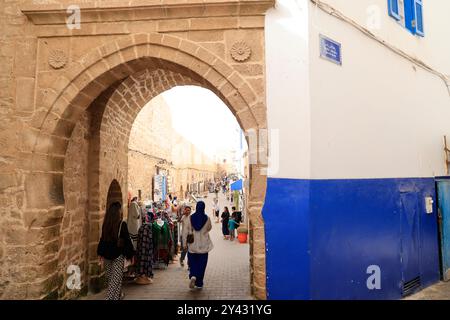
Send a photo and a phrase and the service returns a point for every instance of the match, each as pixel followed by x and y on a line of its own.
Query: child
pixel 232 225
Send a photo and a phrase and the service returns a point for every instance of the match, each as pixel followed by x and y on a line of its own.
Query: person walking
pixel 200 244
pixel 216 210
pixel 225 219
pixel 113 249
pixel 184 231
pixel 232 226
pixel 238 215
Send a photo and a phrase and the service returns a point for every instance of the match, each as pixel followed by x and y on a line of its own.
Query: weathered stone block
pixel 206 36
pixel 43 218
pixel 44 190
pixel 25 94
pixel 173 25
pixel 218 23
pixel 7 180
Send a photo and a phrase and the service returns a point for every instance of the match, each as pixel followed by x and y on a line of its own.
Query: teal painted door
pixel 443 187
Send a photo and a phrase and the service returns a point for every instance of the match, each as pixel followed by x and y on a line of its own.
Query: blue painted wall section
pixel 286 218
pixel 323 234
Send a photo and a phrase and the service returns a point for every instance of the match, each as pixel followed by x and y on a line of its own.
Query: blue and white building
pixel 359 93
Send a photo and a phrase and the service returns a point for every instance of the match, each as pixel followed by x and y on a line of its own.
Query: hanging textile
pixel 171 239
pixel 175 237
pixel 161 237
pixel 145 251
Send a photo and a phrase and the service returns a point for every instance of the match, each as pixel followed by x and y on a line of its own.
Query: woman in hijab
pixel 225 218
pixel 199 225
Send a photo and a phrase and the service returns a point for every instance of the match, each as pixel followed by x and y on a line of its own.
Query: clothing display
pixel 175 238
pixel 144 255
pixel 161 241
pixel 156 239
pixel 134 221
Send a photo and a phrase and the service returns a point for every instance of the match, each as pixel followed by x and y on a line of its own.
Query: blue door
pixel 443 187
pixel 410 242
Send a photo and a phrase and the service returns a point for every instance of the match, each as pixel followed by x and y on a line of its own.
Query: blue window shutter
pixel 410 16
pixel 418 9
pixel 394 11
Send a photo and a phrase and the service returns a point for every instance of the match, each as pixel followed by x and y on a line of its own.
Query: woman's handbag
pixel 120 241
pixel 121 245
pixel 190 236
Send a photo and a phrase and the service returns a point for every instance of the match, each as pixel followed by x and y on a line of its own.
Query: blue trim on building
pixel 286 216
pixel 321 235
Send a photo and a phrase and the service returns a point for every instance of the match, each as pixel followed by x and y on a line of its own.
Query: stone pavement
pixel 439 291
pixel 227 274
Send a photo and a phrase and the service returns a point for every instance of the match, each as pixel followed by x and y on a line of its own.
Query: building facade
pixel 156 148
pixel 353 94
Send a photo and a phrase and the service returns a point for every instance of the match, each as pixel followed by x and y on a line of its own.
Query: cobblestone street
pixel 439 291
pixel 227 275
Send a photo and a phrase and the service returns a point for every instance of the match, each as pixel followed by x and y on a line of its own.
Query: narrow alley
pixel 227 275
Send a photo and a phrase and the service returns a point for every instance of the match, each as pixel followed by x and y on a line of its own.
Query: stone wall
pixel 73 239
pixel 152 130
pixel 51 74
pixel 152 140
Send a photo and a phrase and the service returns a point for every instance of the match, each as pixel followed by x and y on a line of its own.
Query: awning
pixel 237 185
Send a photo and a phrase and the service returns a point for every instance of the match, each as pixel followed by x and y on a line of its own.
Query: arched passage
pixel 114 193
pixel 115 81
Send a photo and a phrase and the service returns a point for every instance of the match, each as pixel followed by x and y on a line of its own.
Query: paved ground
pixel 440 291
pixel 227 275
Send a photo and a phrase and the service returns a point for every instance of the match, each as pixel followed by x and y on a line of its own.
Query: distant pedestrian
pixel 225 219
pixel 216 190
pixel 238 215
pixel 216 210
pixel 114 247
pixel 199 225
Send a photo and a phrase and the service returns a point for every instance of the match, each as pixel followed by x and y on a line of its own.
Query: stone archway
pixel 98 78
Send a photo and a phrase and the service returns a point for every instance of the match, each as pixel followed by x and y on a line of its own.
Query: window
pixel 418 6
pixel 409 13
pixel 394 10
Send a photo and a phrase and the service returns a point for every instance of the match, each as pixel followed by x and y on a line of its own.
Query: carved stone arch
pixel 121 64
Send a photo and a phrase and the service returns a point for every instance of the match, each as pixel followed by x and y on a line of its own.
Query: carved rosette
pixel 57 59
pixel 241 51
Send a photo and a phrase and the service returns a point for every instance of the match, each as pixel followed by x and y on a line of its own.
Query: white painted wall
pixel 433 48
pixel 287 83
pixel 377 116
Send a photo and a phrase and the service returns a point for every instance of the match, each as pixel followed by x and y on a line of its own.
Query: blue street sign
pixel 330 50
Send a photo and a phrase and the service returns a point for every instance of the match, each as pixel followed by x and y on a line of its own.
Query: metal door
pixel 410 242
pixel 443 188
